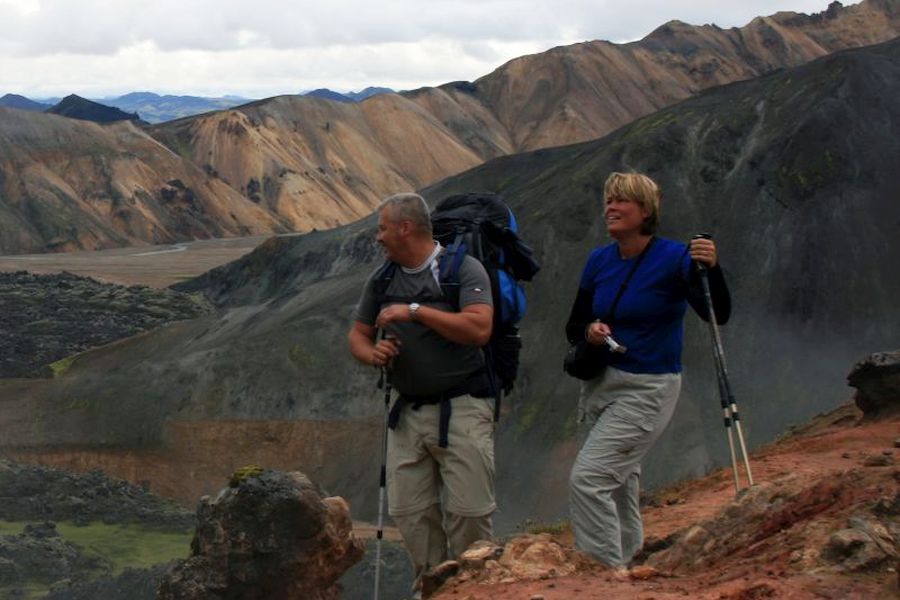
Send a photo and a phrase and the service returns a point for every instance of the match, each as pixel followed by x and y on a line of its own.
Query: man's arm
pixel 472 325
pixel 364 349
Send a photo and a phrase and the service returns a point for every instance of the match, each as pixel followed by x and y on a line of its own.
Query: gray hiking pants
pixel 625 414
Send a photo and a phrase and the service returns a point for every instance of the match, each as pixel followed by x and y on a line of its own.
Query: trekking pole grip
pixel 701 236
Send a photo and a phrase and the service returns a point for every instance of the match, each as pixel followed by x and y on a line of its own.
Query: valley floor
pixel 154 266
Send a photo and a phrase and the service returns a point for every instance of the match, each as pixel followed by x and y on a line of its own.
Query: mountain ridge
pixel 312 164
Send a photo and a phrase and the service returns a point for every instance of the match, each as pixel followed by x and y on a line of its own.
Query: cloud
pixel 270 46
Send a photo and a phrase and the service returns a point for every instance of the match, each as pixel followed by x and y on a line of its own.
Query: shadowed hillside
pixel 795 173
pixel 76 107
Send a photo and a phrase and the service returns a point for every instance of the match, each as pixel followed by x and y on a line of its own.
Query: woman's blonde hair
pixel 637 188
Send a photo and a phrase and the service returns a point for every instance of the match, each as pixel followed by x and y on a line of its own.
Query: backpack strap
pixel 383 278
pixel 448 271
pixel 449 280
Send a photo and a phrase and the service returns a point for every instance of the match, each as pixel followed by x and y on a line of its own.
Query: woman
pixel 629 405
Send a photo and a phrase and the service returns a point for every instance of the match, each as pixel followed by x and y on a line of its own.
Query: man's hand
pixel 384 351
pixel 395 313
pixel 366 350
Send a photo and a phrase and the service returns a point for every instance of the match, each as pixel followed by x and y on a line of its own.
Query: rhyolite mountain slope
pixel 583 91
pixel 308 163
pixel 795 173
pixel 67 184
pixel 319 164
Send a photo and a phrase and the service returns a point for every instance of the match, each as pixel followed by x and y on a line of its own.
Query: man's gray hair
pixel 408 207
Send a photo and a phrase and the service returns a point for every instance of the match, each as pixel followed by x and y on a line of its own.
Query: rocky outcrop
pixel 787 520
pixel 268 535
pixel 46 318
pixel 40 554
pixel 35 493
pixel 877 382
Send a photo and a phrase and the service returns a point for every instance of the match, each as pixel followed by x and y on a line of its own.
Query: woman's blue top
pixel 649 318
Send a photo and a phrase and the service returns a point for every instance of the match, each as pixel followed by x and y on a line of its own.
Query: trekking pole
pixel 728 402
pixel 384 382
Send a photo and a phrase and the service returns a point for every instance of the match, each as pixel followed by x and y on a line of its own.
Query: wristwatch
pixel 413 309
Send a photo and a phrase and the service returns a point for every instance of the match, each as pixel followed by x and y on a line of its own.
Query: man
pixel 441 441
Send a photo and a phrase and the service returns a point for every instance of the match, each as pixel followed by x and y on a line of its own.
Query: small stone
pixel 537 597
pixel 897 443
pixel 887 452
pixel 879 461
pixel 479 552
pixel 854 550
pixel 845 455
pixel 643 572
pixel 436 577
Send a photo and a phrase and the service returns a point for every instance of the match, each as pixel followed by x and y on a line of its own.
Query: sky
pixel 262 48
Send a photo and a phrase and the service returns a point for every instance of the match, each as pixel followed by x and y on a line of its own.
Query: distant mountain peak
pixel 349 96
pixel 328 95
pixel 22 103
pixel 76 107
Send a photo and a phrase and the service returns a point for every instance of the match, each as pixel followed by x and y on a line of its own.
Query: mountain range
pixel 156 108
pixel 349 96
pixel 793 172
pixel 150 107
pixel 302 163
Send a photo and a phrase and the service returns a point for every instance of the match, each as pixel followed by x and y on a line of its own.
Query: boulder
pixel 877 382
pixel 270 534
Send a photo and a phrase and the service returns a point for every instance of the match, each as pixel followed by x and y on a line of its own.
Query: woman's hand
pixel 703 250
pixel 596 333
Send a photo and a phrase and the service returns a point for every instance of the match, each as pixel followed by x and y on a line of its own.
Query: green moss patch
pixel 128 545
pixel 103 551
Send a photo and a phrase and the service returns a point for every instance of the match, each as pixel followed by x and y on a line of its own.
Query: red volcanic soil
pixel 772 541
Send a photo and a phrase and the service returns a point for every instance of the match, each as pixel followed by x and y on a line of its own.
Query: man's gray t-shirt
pixel 428 363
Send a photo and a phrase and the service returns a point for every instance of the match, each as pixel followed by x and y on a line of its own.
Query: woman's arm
pixel 580 316
pixel 718 290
